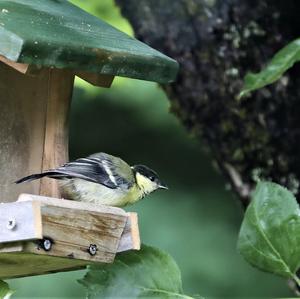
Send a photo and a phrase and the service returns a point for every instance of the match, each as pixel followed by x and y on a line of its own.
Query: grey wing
pixel 100 168
pixel 120 172
pixel 86 169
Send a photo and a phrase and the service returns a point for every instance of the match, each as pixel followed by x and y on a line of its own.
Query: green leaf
pixel 269 238
pixel 281 62
pixel 5 291
pixel 136 274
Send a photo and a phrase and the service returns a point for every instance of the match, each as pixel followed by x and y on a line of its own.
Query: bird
pixel 102 179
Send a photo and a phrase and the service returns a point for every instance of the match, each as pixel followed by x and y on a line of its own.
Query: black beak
pixel 163 186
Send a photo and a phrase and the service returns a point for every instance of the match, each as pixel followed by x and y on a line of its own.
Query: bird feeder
pixel 44 44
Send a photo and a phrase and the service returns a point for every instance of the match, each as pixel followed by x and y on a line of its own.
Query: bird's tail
pixel 31 177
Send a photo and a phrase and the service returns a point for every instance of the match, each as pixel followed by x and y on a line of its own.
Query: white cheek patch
pixel 144 183
pixel 109 172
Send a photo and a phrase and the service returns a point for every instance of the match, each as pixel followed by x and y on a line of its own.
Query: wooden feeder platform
pixel 42 235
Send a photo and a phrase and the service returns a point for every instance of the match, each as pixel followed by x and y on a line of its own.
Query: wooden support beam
pixel 96 79
pixel 20 264
pixel 56 130
pixel 32 70
pixel 22 68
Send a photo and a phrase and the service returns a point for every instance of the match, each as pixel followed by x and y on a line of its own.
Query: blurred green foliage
pixel 196 221
pixel 107 11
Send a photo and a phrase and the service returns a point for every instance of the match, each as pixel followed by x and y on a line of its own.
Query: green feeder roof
pixel 56 33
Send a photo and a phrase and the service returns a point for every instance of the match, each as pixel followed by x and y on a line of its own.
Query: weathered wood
pixel 130 239
pixel 20 264
pixel 91 224
pixel 33 127
pixel 56 143
pixel 28 69
pixel 22 126
pixel 58 34
pixel 71 204
pixel 20 221
pixel 93 78
pixel 72 231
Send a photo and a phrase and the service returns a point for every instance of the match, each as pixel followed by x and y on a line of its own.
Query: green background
pixel 196 221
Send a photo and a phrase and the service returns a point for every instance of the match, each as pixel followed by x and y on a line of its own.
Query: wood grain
pixel 106 240
pixel 33 128
pixel 74 230
pixel 44 200
pixel 74 226
pixel 22 129
pixel 130 239
pixel 56 143
pixel 22 264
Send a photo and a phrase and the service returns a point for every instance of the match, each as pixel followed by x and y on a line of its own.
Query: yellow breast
pixel 133 195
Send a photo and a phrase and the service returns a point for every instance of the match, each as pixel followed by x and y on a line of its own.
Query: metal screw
pixel 92 249
pixel 11 224
pixel 46 244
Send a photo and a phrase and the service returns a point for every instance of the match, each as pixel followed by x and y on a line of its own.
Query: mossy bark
pixel 216 42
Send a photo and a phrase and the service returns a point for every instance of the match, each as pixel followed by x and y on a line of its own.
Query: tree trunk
pixel 216 42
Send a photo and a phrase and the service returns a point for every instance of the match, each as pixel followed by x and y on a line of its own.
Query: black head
pixel 150 174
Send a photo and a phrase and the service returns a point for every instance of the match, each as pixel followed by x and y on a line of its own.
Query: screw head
pixel 92 249
pixel 46 244
pixel 11 224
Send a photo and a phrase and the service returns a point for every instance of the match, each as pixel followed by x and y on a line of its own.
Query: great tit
pixel 102 179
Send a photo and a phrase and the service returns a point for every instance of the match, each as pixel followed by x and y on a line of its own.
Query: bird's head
pixel 147 179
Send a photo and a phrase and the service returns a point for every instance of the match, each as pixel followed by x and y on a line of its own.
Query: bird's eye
pixel 152 178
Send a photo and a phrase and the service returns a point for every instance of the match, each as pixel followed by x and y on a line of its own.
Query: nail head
pixel 11 224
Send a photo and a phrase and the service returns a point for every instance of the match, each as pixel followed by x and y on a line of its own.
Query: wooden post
pixel 34 112
pixel 56 144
